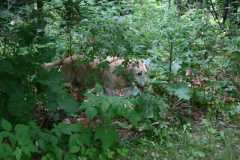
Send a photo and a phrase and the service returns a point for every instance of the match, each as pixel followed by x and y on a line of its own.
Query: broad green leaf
pixel 105 104
pixel 62 128
pixel 68 104
pixel 107 135
pixel 18 153
pixel 23 136
pixel 76 127
pixel 5 151
pixel 70 157
pixel 91 112
pixel 3 135
pixel 176 66
pixel 6 125
pixel 74 148
pixel 133 117
pixel 180 90
pixel 74 143
pixel 77 141
pixel 183 93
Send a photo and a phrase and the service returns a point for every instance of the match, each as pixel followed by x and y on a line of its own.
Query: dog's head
pixel 139 69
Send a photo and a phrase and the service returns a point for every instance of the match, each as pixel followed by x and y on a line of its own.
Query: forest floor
pixel 202 140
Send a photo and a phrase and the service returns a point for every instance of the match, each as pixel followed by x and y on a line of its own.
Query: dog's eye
pixel 139 73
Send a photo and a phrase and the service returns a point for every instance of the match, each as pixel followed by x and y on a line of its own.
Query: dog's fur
pixel 85 75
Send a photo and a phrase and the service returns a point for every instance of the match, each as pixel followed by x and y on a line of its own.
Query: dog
pixel 117 77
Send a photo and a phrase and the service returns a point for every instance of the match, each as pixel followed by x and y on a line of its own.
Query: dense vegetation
pixel 189 110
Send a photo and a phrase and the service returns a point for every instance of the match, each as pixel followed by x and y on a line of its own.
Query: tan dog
pixel 131 80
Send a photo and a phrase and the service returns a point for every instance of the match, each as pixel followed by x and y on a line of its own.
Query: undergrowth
pixel 189 110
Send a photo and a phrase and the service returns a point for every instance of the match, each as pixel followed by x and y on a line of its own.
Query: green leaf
pixel 74 148
pixel 3 135
pixel 107 135
pixel 76 141
pixel 105 104
pixel 91 112
pixel 133 117
pixel 5 151
pixel 175 67
pixel 180 90
pixel 21 104
pixel 23 136
pixel 70 157
pixel 6 125
pixel 68 103
pixel 62 128
pixel 18 153
pixel 76 127
pixel 183 93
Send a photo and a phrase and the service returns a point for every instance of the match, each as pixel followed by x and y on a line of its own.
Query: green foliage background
pixel 176 36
